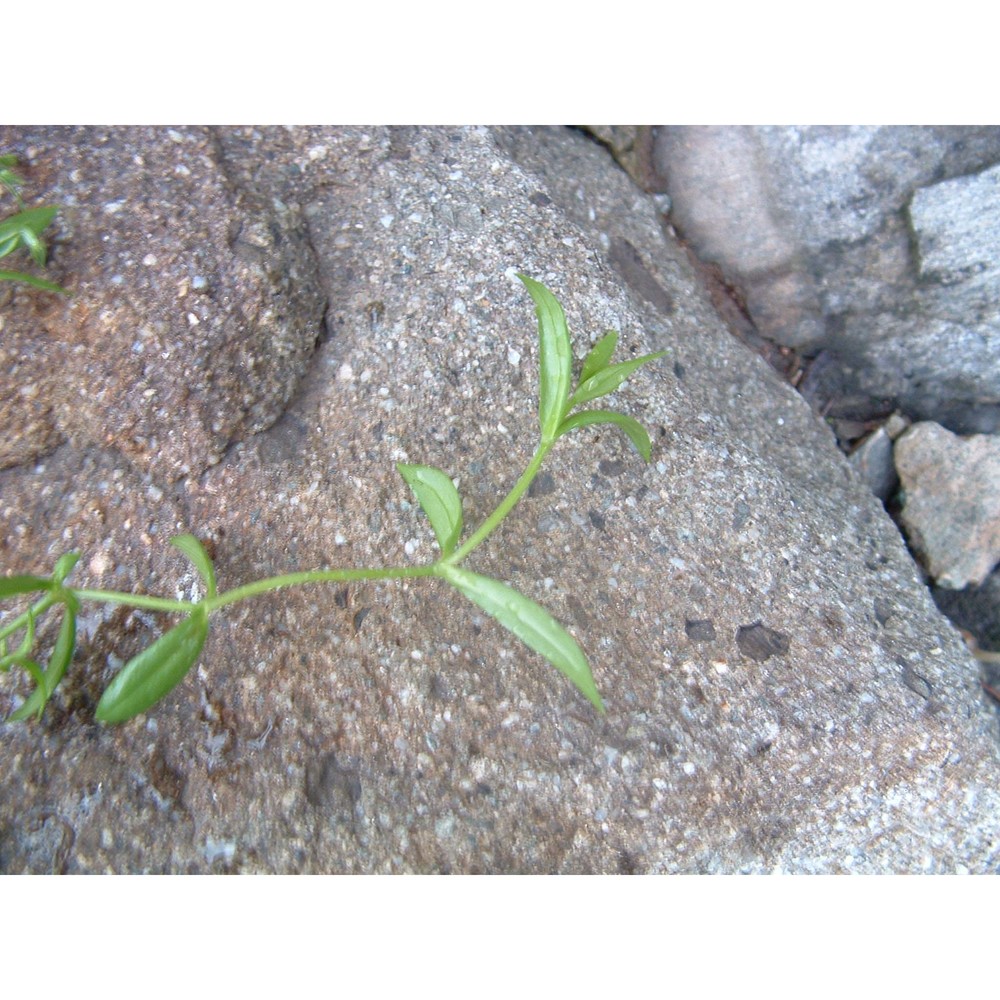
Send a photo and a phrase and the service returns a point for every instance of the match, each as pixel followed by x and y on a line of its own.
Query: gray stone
pixel 194 308
pixel 956 224
pixel 873 461
pixel 951 509
pixel 430 740
pixel 977 610
pixel 815 226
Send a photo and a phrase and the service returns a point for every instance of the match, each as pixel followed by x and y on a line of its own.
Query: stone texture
pixel 951 510
pixel 832 233
pixel 632 147
pixel 390 727
pixel 194 308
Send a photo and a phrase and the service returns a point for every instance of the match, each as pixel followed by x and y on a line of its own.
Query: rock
pixel 975 609
pixel 760 643
pixel 873 457
pixel 855 738
pixel 194 308
pixel 815 226
pixel 873 460
pixel 951 509
pixel 632 147
pixel 955 223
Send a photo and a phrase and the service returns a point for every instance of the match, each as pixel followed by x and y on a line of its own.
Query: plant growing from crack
pixel 151 674
pixel 24 228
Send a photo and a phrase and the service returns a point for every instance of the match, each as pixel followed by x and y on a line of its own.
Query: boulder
pixel 781 693
pixel 951 502
pixel 874 246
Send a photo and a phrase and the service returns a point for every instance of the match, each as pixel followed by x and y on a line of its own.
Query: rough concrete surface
pixel 782 694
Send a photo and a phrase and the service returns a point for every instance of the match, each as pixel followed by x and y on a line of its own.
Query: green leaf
pixel 64 566
pixel 31 220
pixel 35 246
pixel 46 286
pixel 600 355
pixel 11 585
pixel 62 653
pixel 531 623
pixel 555 356
pixel 635 431
pixel 439 500
pixel 35 670
pixel 201 560
pixel 146 678
pixel 608 379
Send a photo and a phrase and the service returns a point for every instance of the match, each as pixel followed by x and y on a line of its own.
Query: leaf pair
pixel 24 229
pixel 159 668
pixel 597 378
pixel 46 678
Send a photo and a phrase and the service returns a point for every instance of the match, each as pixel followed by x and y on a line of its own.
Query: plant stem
pixel 505 506
pixel 268 584
pixel 134 600
pixel 313 576
pixel 37 610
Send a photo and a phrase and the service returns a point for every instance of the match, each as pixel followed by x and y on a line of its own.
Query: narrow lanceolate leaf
pixel 555 357
pixel 146 678
pixel 439 500
pixel 531 623
pixel 600 355
pixel 35 246
pixel 635 431
pixel 11 585
pixel 200 559
pixel 64 566
pixel 28 223
pixel 608 379
pixel 28 279
pixel 62 653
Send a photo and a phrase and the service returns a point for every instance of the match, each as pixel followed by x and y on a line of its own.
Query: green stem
pixel 313 576
pixel 21 621
pixel 505 506
pixel 271 583
pixel 134 600
pixel 254 589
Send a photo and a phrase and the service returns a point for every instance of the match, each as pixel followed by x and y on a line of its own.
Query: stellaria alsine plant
pixel 150 675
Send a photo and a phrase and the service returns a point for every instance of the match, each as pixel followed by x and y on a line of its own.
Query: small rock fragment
pixel 951 511
pixel 702 630
pixel 760 643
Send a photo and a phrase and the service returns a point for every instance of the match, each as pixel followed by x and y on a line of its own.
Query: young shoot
pixel 23 230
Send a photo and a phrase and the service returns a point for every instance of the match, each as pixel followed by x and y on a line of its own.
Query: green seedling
pixel 151 674
pixel 24 229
